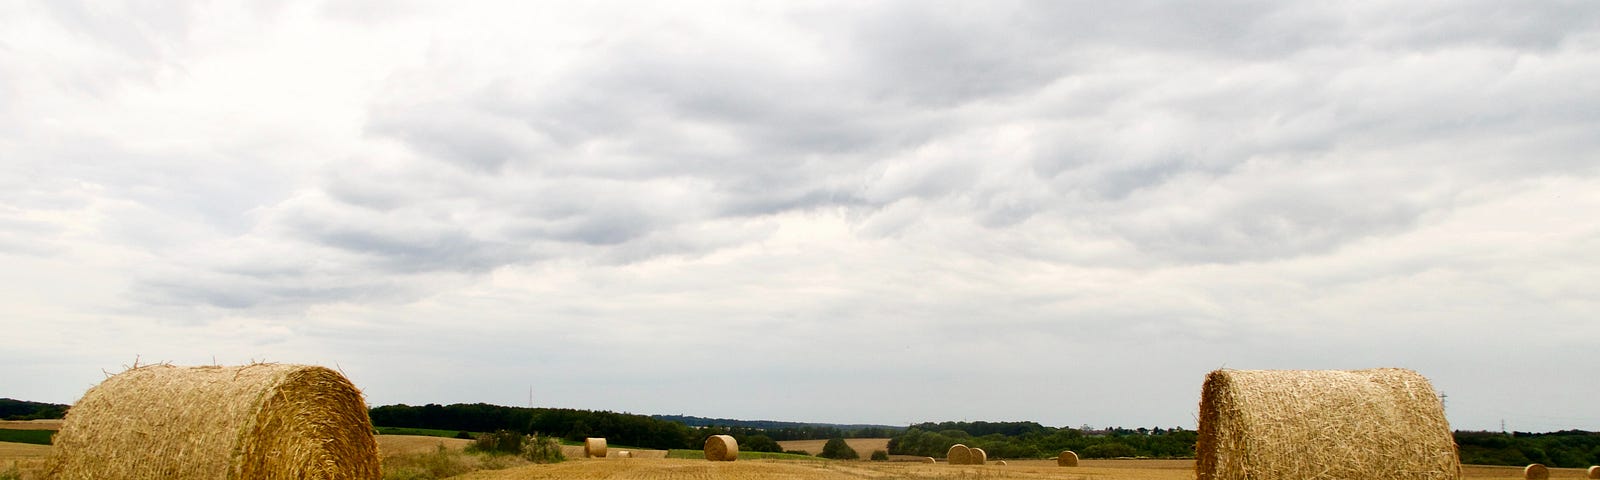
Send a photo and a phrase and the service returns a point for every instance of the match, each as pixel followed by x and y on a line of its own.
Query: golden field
pixel 862 446
pixel 30 458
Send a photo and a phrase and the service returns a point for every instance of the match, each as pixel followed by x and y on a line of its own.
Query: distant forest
pixel 24 410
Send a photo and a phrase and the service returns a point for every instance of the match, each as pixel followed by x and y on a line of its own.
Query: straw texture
pixel 1594 472
pixel 594 447
pixel 1377 424
pixel 260 421
pixel 721 448
pixel 1536 471
pixel 979 457
pixel 1067 459
pixel 959 455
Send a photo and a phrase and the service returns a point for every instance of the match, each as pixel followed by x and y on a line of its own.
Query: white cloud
pixel 1017 198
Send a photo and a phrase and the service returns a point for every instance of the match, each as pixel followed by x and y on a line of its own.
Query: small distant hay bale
pixel 959 455
pixel 1536 471
pixel 1594 472
pixel 594 447
pixel 1001 463
pixel 979 457
pixel 1067 458
pixel 259 421
pixel 1377 424
pixel 930 460
pixel 624 454
pixel 721 448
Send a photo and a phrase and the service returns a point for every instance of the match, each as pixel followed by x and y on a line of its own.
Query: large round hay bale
pixel 260 421
pixel 594 447
pixel 979 457
pixel 721 448
pixel 1067 458
pixel 1536 471
pixel 1594 472
pixel 958 455
pixel 1382 423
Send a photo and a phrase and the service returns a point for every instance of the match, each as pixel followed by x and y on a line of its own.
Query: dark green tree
pixel 838 450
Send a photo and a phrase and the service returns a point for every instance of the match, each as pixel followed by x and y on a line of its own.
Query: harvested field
pixel 404 444
pixel 52 424
pixel 674 469
pixel 863 446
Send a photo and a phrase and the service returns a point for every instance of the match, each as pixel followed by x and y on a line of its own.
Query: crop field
pixel 675 469
pixel 30 458
pixel 862 446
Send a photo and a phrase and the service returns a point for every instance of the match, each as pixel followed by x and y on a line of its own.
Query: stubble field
pixel 30 457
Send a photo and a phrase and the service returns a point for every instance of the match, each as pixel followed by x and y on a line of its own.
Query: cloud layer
pixel 992 207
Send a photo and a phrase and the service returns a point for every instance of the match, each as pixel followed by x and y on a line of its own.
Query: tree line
pixel 1567 448
pixel 617 428
pixel 1032 440
pixel 11 409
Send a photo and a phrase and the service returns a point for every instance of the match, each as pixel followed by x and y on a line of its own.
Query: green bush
pixel 880 456
pixel 759 443
pixel 544 449
pixel 499 442
pixel 837 449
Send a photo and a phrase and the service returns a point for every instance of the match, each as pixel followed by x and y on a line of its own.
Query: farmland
pixel 28 458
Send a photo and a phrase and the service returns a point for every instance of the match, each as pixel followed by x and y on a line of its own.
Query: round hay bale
pixel 959 455
pixel 1381 423
pixel 267 421
pixel 1536 471
pixel 594 447
pixel 1067 458
pixel 624 454
pixel 1001 463
pixel 721 448
pixel 1594 472
pixel 979 457
pixel 930 460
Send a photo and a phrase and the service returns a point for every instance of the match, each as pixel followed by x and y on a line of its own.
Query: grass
pixel 701 455
pixel 426 432
pixel 36 437
pixel 441 463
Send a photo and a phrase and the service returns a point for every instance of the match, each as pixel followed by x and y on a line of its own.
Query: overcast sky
pixel 857 212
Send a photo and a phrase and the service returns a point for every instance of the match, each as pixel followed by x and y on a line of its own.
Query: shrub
pixel 544 449
pixel 880 456
pixel 837 449
pixel 498 442
pixel 760 443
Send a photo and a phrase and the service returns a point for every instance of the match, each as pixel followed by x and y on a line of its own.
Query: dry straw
pixel 594 447
pixel 959 455
pixel 1536 472
pixel 930 460
pixel 1067 459
pixel 1594 472
pixel 721 448
pixel 979 457
pixel 1379 424
pixel 260 421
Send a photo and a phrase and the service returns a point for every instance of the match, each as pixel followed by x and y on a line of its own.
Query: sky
pixel 853 212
